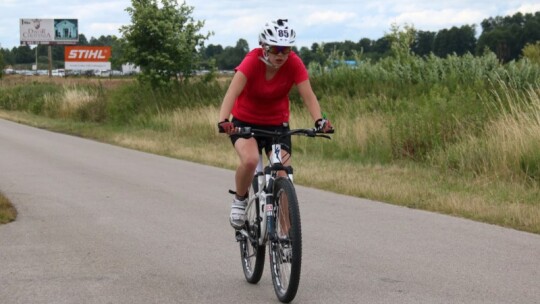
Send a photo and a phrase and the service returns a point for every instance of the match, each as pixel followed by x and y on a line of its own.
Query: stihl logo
pixel 86 54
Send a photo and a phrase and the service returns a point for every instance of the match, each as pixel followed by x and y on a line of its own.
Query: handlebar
pixel 249 131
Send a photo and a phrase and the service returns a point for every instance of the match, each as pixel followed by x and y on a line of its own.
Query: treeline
pixel 504 36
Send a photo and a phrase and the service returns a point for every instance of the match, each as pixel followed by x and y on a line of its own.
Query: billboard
pixel 87 57
pixel 49 31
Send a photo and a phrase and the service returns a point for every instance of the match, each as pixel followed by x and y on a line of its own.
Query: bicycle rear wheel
pixel 251 253
pixel 286 250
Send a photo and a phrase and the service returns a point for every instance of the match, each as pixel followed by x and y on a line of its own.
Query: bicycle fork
pixel 266 206
pixel 266 211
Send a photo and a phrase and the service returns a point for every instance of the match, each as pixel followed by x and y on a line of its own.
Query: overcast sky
pixel 314 20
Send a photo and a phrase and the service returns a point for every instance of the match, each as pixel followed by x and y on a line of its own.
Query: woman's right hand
pixel 323 125
pixel 226 126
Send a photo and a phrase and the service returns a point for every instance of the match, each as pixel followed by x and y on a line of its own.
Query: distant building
pixel 129 68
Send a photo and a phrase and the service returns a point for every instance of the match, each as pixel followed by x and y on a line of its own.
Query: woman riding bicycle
pixel 258 96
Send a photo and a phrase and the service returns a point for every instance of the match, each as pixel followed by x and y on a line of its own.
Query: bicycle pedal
pixel 238 236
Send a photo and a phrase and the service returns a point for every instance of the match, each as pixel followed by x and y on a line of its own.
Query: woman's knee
pixel 248 152
pixel 250 161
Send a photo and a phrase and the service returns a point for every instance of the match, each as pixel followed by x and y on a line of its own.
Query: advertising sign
pixel 87 57
pixel 49 31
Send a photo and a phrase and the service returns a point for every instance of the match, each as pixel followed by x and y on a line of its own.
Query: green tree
pixel 401 41
pixel 423 43
pixel 532 52
pixel 210 55
pixel 162 40
pixel 117 48
pixel 306 55
pixel 212 50
pixel 232 56
pixel 82 39
pixel 381 47
pixel 459 41
pixel 365 45
pixel 318 54
pixel 507 36
pixel 9 59
pixel 23 54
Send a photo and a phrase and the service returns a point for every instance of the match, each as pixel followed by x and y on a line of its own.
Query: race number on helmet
pixel 277 32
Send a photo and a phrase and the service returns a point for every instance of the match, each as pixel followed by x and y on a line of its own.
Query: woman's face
pixel 277 55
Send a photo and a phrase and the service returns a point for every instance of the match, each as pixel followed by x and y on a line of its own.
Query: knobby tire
pixel 286 253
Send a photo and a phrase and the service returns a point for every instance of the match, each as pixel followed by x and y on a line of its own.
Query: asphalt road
pixel 103 224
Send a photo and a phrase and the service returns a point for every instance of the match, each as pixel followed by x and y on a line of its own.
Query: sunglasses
pixel 276 49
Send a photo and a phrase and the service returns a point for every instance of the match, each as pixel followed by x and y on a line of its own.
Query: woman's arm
pixel 235 88
pixel 310 100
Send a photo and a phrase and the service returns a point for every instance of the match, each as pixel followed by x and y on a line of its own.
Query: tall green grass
pixel 29 97
pixel 508 148
pixel 136 103
pixel 430 103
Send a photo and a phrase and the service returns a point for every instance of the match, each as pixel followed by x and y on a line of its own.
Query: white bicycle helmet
pixel 277 32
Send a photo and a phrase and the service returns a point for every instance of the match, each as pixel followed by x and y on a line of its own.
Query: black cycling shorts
pixel 264 142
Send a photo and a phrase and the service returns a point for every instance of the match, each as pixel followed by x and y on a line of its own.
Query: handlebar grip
pixel 331 131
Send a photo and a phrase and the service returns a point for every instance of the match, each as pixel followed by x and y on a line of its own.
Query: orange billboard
pixel 87 53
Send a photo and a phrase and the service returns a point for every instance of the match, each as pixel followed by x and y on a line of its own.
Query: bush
pixel 532 52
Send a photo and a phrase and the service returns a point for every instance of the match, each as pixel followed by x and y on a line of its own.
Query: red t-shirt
pixel 266 102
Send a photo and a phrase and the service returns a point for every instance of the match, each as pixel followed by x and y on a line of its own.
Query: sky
pixel 315 21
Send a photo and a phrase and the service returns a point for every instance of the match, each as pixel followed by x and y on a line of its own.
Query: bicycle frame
pixel 265 178
pixel 262 199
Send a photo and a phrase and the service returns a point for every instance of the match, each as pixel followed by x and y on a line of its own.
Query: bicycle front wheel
pixel 251 253
pixel 286 249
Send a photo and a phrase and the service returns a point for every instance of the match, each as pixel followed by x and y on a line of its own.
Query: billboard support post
pixel 49 53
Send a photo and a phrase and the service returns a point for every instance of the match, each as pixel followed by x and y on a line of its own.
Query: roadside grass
pixel 8 213
pixel 190 134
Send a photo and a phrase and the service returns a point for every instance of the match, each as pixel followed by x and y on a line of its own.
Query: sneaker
pixel 238 213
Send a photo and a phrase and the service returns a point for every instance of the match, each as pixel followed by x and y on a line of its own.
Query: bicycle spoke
pixel 286 250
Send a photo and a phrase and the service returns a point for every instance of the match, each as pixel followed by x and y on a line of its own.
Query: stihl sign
pixel 87 53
